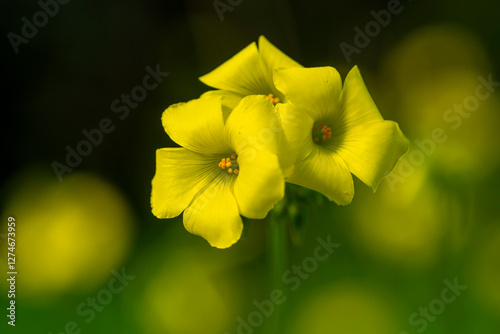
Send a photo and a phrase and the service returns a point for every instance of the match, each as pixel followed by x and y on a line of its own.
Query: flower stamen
pixel 232 161
pixel 322 132
pixel 273 99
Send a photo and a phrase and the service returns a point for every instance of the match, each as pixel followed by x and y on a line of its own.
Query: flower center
pixel 321 132
pixel 273 99
pixel 230 163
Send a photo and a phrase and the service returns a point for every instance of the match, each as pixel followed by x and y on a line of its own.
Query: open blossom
pixel 221 171
pixel 338 131
pixel 249 72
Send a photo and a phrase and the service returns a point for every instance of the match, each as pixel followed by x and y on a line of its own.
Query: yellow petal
pixel 325 172
pixel 297 138
pixel 371 150
pixel 250 71
pixel 316 90
pixel 356 105
pixel 273 58
pixel 180 174
pixel 229 100
pixel 197 125
pixel 253 126
pixel 259 184
pixel 213 214
pixel 242 74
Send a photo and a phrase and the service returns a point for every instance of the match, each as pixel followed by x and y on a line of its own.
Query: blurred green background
pixel 433 222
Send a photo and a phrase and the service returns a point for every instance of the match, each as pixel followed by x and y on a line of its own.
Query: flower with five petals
pixel 337 130
pixel 249 72
pixel 222 170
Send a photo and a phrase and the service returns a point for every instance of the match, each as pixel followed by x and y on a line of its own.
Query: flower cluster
pixel 268 121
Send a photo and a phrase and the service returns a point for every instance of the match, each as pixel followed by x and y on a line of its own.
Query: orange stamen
pixel 273 99
pixel 229 162
pixel 324 135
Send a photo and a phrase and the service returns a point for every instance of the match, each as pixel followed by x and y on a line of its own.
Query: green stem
pixel 277 248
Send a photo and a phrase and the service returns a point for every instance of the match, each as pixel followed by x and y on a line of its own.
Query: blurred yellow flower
pixel 336 131
pixel 189 292
pixel 223 169
pixel 71 233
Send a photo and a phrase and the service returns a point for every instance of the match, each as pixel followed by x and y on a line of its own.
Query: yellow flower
pixel 249 72
pixel 223 169
pixel 338 131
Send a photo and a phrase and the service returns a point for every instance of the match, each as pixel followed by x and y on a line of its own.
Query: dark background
pixel 441 223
